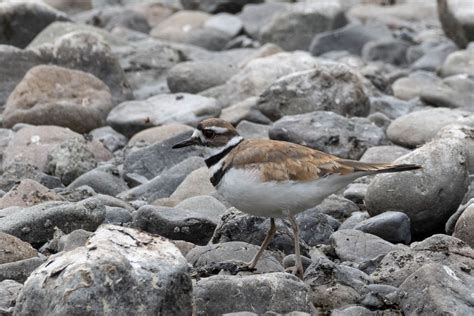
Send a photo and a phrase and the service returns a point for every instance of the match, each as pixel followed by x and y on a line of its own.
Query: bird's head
pixel 214 134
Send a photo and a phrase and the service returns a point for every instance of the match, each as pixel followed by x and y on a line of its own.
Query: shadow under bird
pixel 275 178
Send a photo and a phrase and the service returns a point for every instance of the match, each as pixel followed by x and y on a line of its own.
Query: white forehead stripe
pixel 197 133
pixel 217 129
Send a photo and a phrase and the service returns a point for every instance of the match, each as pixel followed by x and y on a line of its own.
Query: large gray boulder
pixel 329 132
pixel 119 271
pixel 436 289
pixel 428 196
pixel 326 87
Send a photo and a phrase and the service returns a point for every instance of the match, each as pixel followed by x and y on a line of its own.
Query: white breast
pixel 244 189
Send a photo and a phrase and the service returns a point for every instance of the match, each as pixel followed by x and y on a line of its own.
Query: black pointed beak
pixel 188 142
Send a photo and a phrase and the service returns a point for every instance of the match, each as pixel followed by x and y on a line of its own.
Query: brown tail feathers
pixel 379 167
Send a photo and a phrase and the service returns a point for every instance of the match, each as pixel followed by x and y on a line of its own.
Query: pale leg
pixel 296 237
pixel 266 241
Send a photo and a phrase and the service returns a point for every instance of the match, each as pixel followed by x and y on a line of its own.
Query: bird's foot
pixel 296 271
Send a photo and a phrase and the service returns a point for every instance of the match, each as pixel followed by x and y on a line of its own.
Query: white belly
pixel 244 189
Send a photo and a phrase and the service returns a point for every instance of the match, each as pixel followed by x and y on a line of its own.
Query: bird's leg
pixel 266 241
pixel 298 269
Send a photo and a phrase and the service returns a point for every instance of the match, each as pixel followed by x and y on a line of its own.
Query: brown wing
pixel 281 161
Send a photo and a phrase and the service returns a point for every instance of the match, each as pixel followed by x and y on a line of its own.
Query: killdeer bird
pixel 275 178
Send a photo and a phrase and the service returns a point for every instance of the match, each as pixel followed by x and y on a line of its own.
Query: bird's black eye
pixel 208 133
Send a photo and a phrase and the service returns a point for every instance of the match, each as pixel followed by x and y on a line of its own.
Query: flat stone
pixel 175 223
pixel 159 133
pixel 277 292
pixel 356 246
pixel 205 257
pixel 133 116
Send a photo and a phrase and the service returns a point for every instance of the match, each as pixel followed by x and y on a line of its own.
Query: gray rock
pixel 258 74
pixel 146 64
pixel 107 3
pixel 14 173
pixel 399 264
pixel 407 88
pixel 164 184
pixel 465 226
pixel 81 104
pixel 249 130
pixel 354 310
pixel 390 106
pixel 391 51
pixel 465 134
pixel 383 153
pixel 355 219
pixel 255 16
pixel 316 228
pixel 152 160
pixel 459 62
pixel 206 205
pixel 356 192
pixel 77 50
pixel 76 238
pixel 70 159
pixel 428 196
pixel 327 87
pixel 329 132
pixel 180 26
pixel 289 261
pixel 209 38
pixel 350 38
pixel 451 223
pixel 36 224
pixel 129 259
pixel 19 270
pixel 277 292
pixel 244 110
pixel 209 256
pixel 338 207
pixel 105 182
pixel 420 127
pixel 295 27
pixel 457 20
pixel 111 17
pixel 196 76
pixel 175 223
pixel 356 246
pixel 381 296
pixel 452 92
pixel 391 226
pixel 9 291
pixel 111 139
pixel 224 22
pixel 131 117
pixel 449 291
pixel 31 16
pixel 117 216
pixel 334 285
pixel 238 226
pixel 434 54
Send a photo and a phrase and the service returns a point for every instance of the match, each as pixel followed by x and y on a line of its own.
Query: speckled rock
pixel 28 193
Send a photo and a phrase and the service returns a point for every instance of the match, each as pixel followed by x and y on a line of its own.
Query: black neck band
pixel 211 161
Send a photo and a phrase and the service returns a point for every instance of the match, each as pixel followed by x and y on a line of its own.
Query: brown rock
pixel 27 193
pixel 51 95
pixel 159 134
pixel 13 249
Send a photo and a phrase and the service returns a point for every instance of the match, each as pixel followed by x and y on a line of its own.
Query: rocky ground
pixel 98 216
